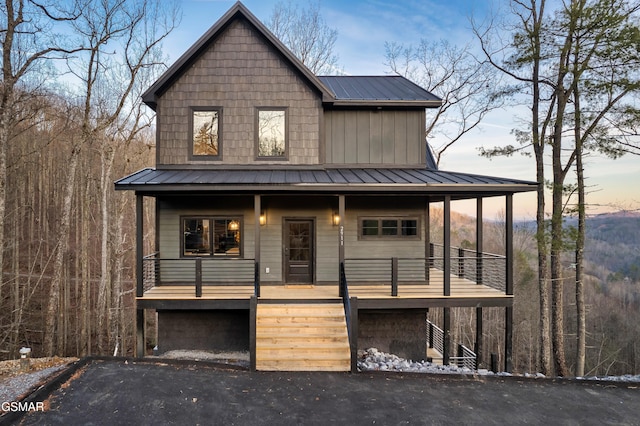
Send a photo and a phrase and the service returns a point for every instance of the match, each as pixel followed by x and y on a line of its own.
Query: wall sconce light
pixel 263 218
pixel 335 218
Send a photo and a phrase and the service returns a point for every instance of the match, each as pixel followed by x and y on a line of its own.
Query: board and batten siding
pixel 375 137
pixel 320 209
pixel 411 251
pixel 238 73
pixel 173 268
pixel 277 209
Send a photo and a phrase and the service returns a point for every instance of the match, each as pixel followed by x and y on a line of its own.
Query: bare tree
pixel 306 34
pixel 109 82
pixel 469 88
pixel 28 41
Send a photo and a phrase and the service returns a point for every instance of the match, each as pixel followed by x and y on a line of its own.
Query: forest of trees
pixel 71 122
pixel 612 298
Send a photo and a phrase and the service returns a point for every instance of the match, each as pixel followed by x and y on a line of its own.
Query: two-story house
pixel 292 211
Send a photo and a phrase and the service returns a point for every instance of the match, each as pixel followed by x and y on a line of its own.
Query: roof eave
pixel 332 188
pixel 384 103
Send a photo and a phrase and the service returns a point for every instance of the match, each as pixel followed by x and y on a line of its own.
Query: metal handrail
pixel 435 337
pixel 485 268
pixel 343 291
pixel 465 358
pixel 199 271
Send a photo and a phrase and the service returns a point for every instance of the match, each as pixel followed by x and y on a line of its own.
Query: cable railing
pixel 435 340
pixel 350 316
pixel 435 337
pixel 487 269
pixel 482 268
pixel 466 358
pixel 199 272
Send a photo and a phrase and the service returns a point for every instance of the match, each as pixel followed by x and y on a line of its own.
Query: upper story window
pixel 206 132
pixel 388 227
pixel 271 133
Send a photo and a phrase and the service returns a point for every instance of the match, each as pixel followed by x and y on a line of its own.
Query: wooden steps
pixel 302 337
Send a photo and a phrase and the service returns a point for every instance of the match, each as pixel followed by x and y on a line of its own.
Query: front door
pixel 298 250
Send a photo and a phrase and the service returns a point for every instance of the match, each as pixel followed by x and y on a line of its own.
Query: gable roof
pixel 385 90
pixel 334 90
pixel 237 11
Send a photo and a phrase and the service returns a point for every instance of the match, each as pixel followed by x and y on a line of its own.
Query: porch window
pixel 388 227
pixel 211 236
pixel 271 133
pixel 205 132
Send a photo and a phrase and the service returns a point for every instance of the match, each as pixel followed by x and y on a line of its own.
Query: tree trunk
pixel 104 289
pixel 580 240
pixel 557 280
pixel 51 315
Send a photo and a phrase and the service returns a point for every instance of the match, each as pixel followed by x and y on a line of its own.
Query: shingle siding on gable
pixel 239 72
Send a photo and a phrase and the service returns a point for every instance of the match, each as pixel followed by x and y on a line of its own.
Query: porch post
pixel 257 208
pixel 341 213
pixel 509 244
pixel 508 320
pixel 479 241
pixel 479 275
pixel 140 322
pixel 447 246
pixel 427 239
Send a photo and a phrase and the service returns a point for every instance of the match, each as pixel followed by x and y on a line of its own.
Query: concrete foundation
pixel 400 332
pixel 222 330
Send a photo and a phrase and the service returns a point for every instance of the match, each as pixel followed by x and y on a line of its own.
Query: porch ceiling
pixel 320 180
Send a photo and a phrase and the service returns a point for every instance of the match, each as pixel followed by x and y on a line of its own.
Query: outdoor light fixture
pixel 263 218
pixel 336 219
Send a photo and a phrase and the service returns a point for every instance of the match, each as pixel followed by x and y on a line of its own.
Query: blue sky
pixel 363 28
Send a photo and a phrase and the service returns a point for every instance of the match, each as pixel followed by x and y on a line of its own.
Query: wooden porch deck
pixel 370 295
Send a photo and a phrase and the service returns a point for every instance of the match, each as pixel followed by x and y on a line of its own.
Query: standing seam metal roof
pixel 376 88
pixel 150 178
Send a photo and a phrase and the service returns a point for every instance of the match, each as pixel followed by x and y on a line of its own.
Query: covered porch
pixel 367 275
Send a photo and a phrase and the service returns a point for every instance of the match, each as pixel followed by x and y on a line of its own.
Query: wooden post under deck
pixel 446 343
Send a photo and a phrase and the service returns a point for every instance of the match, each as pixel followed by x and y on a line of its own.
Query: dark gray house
pixel 292 211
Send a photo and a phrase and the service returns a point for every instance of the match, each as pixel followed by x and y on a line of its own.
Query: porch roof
pixel 320 180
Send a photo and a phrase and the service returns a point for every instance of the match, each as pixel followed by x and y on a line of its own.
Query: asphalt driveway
pixel 119 392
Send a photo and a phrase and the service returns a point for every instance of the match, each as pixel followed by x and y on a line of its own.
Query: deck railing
pixel 435 337
pixel 199 271
pixel 351 316
pixel 465 358
pixel 488 269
